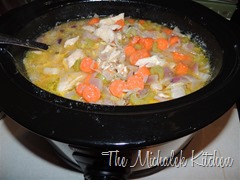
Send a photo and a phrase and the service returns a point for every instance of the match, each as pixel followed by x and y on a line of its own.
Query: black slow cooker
pixel 85 130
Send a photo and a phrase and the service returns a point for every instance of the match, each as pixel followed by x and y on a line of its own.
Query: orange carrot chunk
pixel 141 21
pixel 162 44
pixel 129 50
pixel 121 23
pixel 173 40
pixel 180 57
pixel 139 54
pixel 93 21
pixel 147 43
pixel 88 65
pixel 167 31
pixel 79 88
pixel 181 69
pixel 117 87
pixel 143 72
pixel 135 82
pixel 131 21
pixel 91 93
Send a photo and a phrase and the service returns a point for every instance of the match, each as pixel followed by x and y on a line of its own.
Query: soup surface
pixel 118 60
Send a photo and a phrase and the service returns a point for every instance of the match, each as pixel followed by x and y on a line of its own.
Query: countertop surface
pixel 26 156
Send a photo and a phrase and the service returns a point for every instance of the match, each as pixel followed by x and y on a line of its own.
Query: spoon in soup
pixel 6 39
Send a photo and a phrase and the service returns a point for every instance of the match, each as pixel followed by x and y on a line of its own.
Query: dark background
pixel 6 5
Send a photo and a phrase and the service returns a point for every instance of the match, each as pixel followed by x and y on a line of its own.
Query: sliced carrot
pixel 147 43
pixel 167 31
pixel 117 87
pixel 180 57
pixel 94 66
pixel 139 54
pixel 121 23
pixel 79 88
pixel 91 93
pixel 131 21
pixel 173 40
pixel 88 65
pixel 141 21
pixel 143 72
pixel 162 44
pixel 135 82
pixel 93 21
pixel 181 69
pixel 129 50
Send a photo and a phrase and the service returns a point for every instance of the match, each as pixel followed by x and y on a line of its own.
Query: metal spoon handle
pixel 5 39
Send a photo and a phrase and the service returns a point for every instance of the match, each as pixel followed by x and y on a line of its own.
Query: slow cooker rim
pixel 87 142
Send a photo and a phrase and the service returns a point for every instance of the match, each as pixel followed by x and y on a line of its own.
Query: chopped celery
pixel 201 59
pixel 155 47
pixel 185 39
pixel 52 85
pixel 146 99
pixel 102 77
pixel 138 46
pixel 76 66
pixel 90 43
pixel 131 32
pixel 158 70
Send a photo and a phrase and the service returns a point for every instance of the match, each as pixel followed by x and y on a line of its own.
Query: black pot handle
pixel 97 167
pixel 106 173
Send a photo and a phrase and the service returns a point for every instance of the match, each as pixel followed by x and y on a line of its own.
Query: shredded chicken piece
pixel 107 49
pixel 71 41
pixel 69 80
pixel 89 28
pixel 107 27
pixel 110 59
pixel 151 61
pixel 111 20
pixel 114 56
pixel 73 57
pixel 106 32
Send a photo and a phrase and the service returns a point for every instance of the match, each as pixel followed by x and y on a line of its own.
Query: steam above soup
pixel 118 61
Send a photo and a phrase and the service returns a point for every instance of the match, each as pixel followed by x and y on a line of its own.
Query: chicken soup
pixel 118 60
